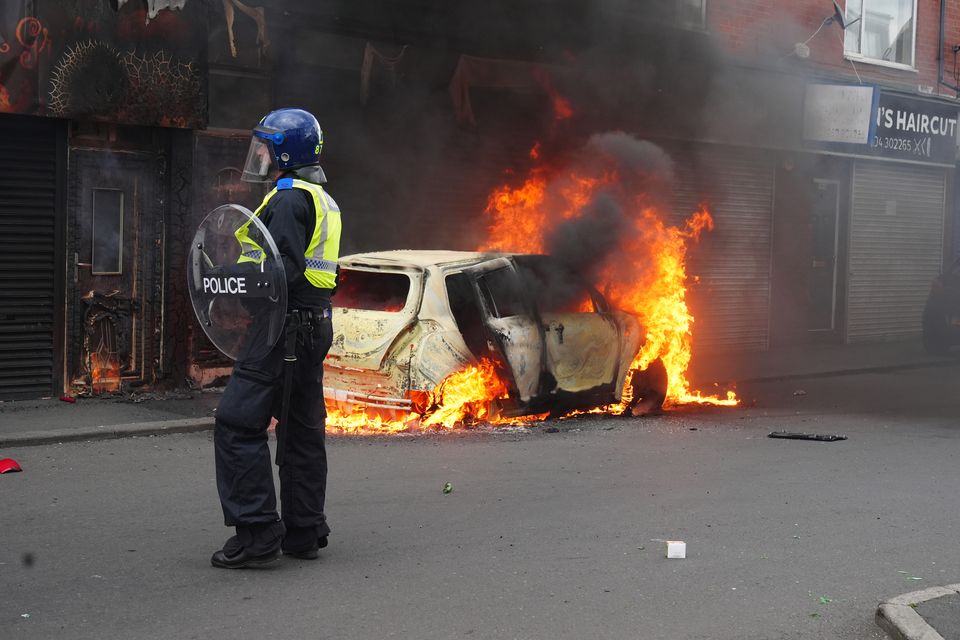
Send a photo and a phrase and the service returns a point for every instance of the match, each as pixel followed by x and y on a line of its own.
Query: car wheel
pixel 935 328
pixel 649 389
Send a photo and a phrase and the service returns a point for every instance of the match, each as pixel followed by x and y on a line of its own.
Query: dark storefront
pixel 32 176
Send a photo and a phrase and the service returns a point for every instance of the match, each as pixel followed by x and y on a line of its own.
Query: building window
pixel 692 13
pixel 107 250
pixel 884 30
pixel 687 14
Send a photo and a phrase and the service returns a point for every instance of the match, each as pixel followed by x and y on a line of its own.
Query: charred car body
pixel 405 320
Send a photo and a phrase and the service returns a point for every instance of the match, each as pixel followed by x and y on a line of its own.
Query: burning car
pixel 406 320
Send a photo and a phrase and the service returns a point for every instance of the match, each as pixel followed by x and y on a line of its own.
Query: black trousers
pixel 244 466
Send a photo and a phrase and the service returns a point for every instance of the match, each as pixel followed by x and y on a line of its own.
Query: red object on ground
pixel 8 465
pixel 69 399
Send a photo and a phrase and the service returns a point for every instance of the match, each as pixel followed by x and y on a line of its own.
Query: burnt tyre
pixel 649 389
pixel 936 339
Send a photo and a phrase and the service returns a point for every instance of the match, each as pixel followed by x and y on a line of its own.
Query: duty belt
pixel 308 316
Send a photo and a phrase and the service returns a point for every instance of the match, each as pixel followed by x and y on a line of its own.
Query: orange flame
pixel 466 398
pixel 562 110
pixel 647 278
pixel 104 374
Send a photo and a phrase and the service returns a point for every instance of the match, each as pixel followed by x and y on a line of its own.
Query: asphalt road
pixel 545 535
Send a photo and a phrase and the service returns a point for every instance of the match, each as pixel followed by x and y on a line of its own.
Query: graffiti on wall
pixel 126 62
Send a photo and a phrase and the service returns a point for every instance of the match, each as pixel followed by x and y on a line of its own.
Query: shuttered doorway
pixel 30 220
pixel 729 269
pixel 896 246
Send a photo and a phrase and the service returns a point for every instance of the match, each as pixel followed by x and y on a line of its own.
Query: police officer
pixel 304 221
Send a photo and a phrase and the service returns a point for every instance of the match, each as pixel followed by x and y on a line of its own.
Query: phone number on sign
pixel 894 144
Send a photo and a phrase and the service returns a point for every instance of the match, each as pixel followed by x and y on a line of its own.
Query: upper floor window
pixel 692 13
pixel 885 30
pixel 689 14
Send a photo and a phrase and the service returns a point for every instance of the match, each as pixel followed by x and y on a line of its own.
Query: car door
pixel 510 320
pixel 581 338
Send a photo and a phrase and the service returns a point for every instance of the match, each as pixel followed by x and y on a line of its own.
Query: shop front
pixel 861 215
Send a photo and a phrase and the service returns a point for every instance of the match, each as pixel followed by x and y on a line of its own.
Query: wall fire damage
pixel 108 323
pixel 134 64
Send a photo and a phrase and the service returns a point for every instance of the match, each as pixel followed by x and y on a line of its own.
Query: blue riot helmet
pixel 285 140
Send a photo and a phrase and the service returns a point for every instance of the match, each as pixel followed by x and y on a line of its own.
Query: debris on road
pixel 447 487
pixel 9 465
pixel 676 549
pixel 825 600
pixel 799 392
pixel 66 398
pixel 821 437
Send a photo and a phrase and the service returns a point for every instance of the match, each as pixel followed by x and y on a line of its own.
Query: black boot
pixel 303 543
pixel 253 546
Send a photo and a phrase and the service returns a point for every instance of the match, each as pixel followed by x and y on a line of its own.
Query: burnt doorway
pixel 824 249
pixel 116 260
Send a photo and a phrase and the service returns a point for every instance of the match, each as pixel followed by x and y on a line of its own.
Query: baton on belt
pixel 289 363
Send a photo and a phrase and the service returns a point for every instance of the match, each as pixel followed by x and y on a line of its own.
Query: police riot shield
pixel 237 283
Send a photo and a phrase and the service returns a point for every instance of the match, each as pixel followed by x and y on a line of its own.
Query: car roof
pixel 417 258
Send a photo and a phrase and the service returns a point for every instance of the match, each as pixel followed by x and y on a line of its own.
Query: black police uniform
pixel 254 394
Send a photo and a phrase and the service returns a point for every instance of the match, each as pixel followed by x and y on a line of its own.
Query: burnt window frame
pixel 529 265
pixel 411 286
pixel 491 301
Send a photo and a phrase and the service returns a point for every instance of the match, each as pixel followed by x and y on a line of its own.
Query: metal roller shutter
pixel 28 200
pixel 896 245
pixel 731 301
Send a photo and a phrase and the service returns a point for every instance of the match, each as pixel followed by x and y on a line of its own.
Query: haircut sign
pixel 915 129
pixel 866 121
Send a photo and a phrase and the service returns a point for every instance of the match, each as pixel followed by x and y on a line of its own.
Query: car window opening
pixel 502 294
pixel 556 290
pixel 466 312
pixel 372 290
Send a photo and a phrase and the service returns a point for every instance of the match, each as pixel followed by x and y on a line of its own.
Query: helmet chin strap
pixel 312 174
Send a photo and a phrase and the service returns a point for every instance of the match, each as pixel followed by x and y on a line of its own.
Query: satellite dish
pixel 838 15
pixel 840 18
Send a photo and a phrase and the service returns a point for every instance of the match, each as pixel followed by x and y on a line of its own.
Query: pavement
pixel 929 614
pixel 52 420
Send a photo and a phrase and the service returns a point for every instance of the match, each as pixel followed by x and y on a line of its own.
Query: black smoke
pixel 643 176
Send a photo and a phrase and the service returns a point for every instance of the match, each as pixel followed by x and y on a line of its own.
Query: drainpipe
pixel 956 89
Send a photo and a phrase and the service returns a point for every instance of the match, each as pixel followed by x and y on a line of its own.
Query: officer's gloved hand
pixel 336 282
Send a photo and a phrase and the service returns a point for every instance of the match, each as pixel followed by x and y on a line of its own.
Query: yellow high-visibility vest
pixel 323 250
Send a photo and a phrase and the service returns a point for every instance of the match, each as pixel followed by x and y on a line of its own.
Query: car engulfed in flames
pixel 514 334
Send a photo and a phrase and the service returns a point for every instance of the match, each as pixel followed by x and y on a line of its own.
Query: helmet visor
pixel 260 165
